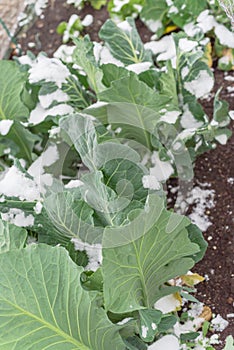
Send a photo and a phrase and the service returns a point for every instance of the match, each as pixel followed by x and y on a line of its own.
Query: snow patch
pixel 169 116
pixel 65 52
pixel 37 171
pixel 87 21
pixel 150 182
pixel 201 85
pixel 222 139
pixel 224 35
pixel 188 121
pixel 49 70
pixel 219 323
pixel 164 48
pixel 144 331
pixel 201 199
pixel 103 55
pixel 58 95
pixel 168 342
pixel 124 321
pixel 39 114
pixel 16 184
pixel 38 208
pixel 162 170
pixel 166 304
pixel 139 67
pixel 186 45
pixel 73 184
pixel 93 251
pixel 18 218
pixel 153 26
pixel 118 4
pixel 125 26
pixel 5 126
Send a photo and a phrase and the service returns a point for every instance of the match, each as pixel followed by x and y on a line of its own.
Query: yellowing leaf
pixel 206 313
pixel 192 280
pixel 179 298
pixel 170 29
pixel 208 54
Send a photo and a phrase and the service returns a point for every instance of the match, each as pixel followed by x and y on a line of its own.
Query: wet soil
pixel 214 167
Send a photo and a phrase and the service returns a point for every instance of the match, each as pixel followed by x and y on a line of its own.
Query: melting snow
pixel 139 67
pixel 150 181
pixel 186 45
pixel 162 170
pixel 169 116
pixel 168 342
pixel 201 85
pixel 18 218
pixel 201 199
pixel 153 26
pixel 124 321
pixel 39 114
pixel 167 304
pixel 16 184
pixel 222 139
pixel 125 26
pixel 164 48
pixel 73 184
pixel 38 207
pixel 58 95
pixel 48 69
pixel 93 251
pixel 87 21
pixel 188 121
pixel 144 331
pixel 219 323
pixel 5 126
pixel 103 55
pixel 224 35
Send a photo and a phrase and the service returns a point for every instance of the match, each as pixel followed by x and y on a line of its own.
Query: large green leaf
pixel 139 258
pixel 116 173
pixel 23 139
pixel 80 129
pixel 72 218
pixel 11 237
pixel 123 9
pixel 84 57
pixel 185 11
pixel 43 305
pixel 153 15
pixel 78 97
pixel 12 82
pixel 132 105
pixel 124 42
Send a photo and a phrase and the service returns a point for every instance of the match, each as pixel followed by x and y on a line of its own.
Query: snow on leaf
pixel 124 42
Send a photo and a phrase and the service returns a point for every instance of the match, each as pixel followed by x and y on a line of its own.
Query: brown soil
pixel 214 167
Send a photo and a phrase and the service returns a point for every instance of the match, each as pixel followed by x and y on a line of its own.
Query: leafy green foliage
pixel 11 237
pixel 42 313
pixel 153 14
pixel 142 256
pixel 12 82
pixel 124 42
pixel 124 245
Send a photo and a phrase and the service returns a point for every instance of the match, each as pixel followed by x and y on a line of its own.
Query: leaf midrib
pixel 60 332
